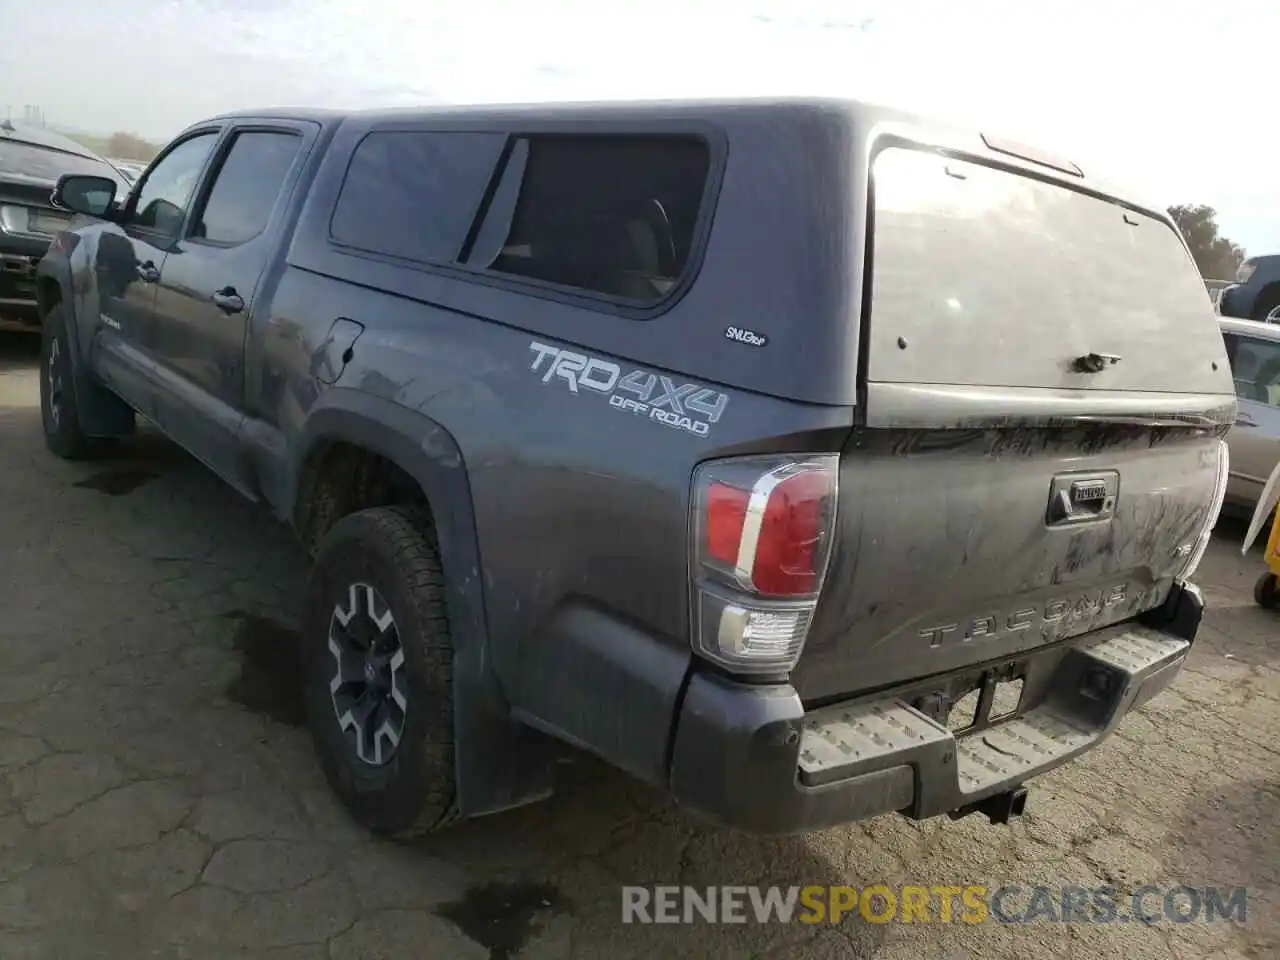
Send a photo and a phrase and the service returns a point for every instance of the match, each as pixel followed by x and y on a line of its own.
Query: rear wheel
pixel 1264 591
pixel 378 671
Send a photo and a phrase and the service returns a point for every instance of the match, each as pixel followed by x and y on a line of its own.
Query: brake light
pixel 726 513
pixel 762 540
pixel 1211 518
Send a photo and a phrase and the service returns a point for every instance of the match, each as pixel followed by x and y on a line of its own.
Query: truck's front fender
pixel 101 413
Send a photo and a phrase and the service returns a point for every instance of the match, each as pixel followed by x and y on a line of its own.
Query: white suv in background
pixel 1254 351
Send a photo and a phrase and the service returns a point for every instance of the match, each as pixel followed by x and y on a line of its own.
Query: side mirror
pixel 84 194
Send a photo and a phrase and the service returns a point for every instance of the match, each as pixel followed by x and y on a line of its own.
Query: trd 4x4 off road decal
pixel 686 406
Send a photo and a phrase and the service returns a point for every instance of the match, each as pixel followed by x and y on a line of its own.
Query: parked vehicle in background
pixel 1253 350
pixel 1215 288
pixel 131 169
pixel 651 429
pixel 31 161
pixel 1255 294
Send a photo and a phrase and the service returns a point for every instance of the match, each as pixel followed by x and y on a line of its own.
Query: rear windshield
pixel 42 163
pixel 984 276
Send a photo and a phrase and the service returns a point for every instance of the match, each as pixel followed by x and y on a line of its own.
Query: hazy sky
pixel 1174 97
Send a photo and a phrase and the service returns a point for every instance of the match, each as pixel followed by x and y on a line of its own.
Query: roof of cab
pixel 779 255
pixel 839 111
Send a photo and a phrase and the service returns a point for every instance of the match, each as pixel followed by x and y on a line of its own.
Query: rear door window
pixel 414 194
pixel 612 215
pixel 249 182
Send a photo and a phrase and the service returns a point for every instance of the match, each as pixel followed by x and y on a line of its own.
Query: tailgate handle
pixel 1081 498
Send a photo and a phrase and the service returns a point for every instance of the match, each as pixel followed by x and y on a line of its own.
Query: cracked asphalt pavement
pixel 159 798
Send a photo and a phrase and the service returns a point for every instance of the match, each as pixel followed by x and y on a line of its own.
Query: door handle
pixel 148 272
pixel 227 300
pixel 1244 420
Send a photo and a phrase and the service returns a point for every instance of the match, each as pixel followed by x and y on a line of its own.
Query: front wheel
pixel 1264 591
pixel 59 411
pixel 377 665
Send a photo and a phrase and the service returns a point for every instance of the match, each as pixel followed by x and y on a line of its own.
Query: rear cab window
pixel 612 216
pixel 246 186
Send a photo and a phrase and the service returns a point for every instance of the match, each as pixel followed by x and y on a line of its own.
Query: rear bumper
pixel 751 757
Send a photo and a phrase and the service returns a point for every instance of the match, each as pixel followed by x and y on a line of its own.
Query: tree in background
pixel 1215 255
pixel 130 146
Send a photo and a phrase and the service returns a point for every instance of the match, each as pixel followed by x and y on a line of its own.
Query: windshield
pixel 42 163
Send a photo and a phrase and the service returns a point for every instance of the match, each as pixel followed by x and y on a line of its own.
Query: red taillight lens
pixel 763 528
pixel 766 523
pixel 789 547
pixel 726 512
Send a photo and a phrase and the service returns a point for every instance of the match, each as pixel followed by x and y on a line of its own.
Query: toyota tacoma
pixel 807 459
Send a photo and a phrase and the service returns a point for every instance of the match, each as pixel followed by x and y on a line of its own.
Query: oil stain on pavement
pixel 116 483
pixel 269 681
pixel 499 916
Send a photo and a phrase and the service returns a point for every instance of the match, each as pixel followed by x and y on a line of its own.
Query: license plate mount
pixel 997 696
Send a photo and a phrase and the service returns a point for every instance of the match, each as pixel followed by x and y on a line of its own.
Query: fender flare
pixel 428 453
pixel 102 414
pixel 58 269
pixel 495 769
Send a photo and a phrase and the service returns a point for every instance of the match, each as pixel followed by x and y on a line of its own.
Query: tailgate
pixel 1004 493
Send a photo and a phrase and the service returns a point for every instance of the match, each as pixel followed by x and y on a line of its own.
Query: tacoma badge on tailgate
pixel 1111 602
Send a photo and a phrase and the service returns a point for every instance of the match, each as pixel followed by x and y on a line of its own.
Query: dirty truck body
pixel 733 442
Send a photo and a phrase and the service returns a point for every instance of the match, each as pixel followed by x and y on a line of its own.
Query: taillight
pixel 1215 507
pixel 762 536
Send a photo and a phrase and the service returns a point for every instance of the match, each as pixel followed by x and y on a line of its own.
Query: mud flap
pixel 501 763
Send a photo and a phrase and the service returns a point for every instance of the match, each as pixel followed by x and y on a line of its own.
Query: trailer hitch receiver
pixel 1000 808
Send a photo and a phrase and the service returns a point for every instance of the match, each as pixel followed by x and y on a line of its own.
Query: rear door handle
pixel 148 272
pixel 227 300
pixel 1244 420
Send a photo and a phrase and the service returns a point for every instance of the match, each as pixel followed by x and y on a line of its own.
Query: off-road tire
pixel 1264 591
pixel 391 549
pixel 59 410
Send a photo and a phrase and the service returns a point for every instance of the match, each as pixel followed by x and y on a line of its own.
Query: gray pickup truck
pixel 806 459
